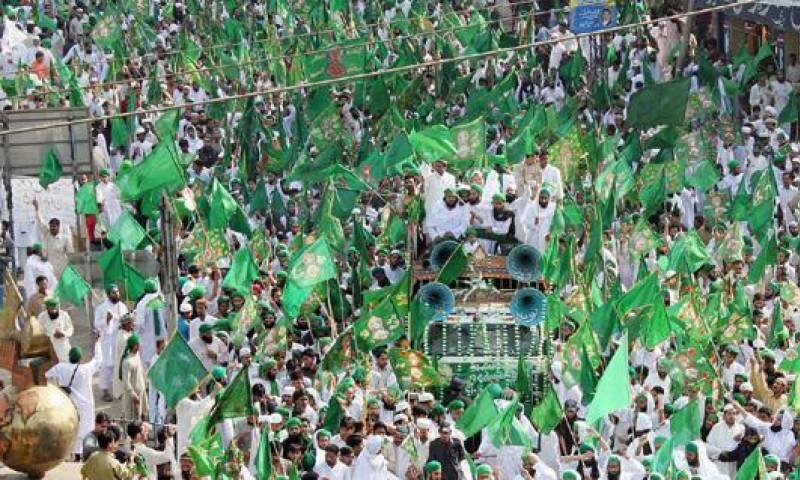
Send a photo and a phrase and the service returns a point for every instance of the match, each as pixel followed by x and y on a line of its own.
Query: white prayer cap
pixel 746 387
pixel 287 390
pixel 401 406
pixel 275 418
pixel 245 352
pixel 425 397
pixel 771 120
pixel 173 28
pixel 729 406
pixel 400 417
pixel 185 308
pixel 140 130
pixel 747 130
pixel 425 424
pixel 223 263
pixel 770 110
pixel 795 147
pixel 758 343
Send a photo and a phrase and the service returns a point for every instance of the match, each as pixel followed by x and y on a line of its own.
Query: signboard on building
pixel 592 15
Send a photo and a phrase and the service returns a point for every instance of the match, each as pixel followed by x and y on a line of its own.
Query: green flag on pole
pixel 753 467
pixel 158 171
pixel 51 169
pixel 548 413
pixel 72 287
pixel 86 200
pixel 311 265
pixel 177 371
pixel 659 104
pixel 242 272
pixel 127 232
pixel 263 461
pixel 613 391
pixel 235 400
pixel 477 415
pixel 685 424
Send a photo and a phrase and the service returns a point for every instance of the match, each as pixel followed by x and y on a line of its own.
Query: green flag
pixel 506 429
pixel 167 124
pixel 753 467
pixel 688 254
pixel 133 280
pixel 242 273
pixel 613 390
pixel 120 134
pixel 127 232
pixel 378 327
pixel 469 140
pixel 704 176
pixel 111 264
pixel 659 104
pixel 548 413
pixel 663 457
pixel 235 400
pixel 789 113
pixel 263 461
pixel 158 171
pixel 72 287
pixel 454 266
pixel 177 371
pixel 762 210
pixel 51 169
pixel 311 265
pixel 477 415
pixel 205 447
pixel 767 256
pixel 685 424
pixel 86 200
pixel 222 206
pixel 432 143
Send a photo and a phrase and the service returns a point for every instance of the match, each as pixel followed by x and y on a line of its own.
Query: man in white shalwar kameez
pixel 56 243
pixel 437 180
pixel 150 322
pixel 108 198
pixel 78 377
pixel 446 219
pixel 36 266
pixel 537 219
pixel 57 325
pixel 189 411
pixel 725 436
pixel 106 324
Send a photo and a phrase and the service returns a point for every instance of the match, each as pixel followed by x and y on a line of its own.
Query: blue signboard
pixel 592 15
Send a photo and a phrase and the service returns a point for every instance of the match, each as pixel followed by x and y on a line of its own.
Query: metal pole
pixel 168 260
pixel 9 197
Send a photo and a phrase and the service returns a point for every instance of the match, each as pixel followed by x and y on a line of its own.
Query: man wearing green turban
pixel 57 325
pixel 484 472
pixel 76 379
pixel 132 374
pixel 433 470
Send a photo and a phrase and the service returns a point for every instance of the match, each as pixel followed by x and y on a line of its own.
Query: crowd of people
pixel 654 172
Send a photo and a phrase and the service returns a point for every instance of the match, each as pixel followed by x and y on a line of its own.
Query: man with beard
pixel 381 375
pixel 106 324
pixel 330 467
pixel 268 372
pixel 294 437
pixel 566 429
pixel 396 267
pixel 201 317
pixel 448 452
pixel 36 265
pixel 724 436
pixel 208 348
pixel 57 325
pixel 537 218
pixel 189 411
pixel 499 227
pixel 446 219
pixel 535 469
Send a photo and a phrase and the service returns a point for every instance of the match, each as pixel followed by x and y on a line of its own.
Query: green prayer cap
pixel 767 354
pixel 498 197
pixel 359 374
pixel 570 474
pixel 223 298
pixel 438 410
pixel 196 293
pixel 345 384
pixel 151 285
pixel 206 327
pixel 456 405
pixel 449 191
pixel 373 402
pixel 269 363
pixel 731 348
pixel 771 460
pixel 495 390
pixel 655 476
pixel 433 466
pixel 218 372
pixel 293 422
pixel 104 172
pixel 614 459
pixel 484 469
pixel 691 447
pixel 544 191
pixel 682 475
pixel 75 354
pixel 284 412
pixel 111 287
pixel 585 448
pixel 36 247
pixel 476 187
pixel 323 433
pixel 132 340
pixel 51 302
pixel 733 164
